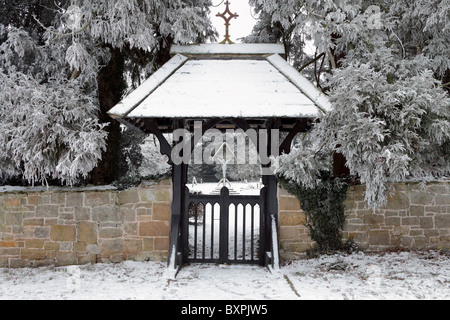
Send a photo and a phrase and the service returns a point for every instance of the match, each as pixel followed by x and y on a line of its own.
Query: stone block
pixel 51 246
pixel 292 218
pixel 299 247
pixel 161 211
pixel 13 219
pixel 58 198
pixel 33 222
pixel 82 213
pixel 87 232
pixel 20 263
pixel 153 229
pixel 289 204
pixel 127 214
pixel 42 232
pixel 148 244
pixel 378 237
pixel 373 219
pixel 131 228
pixel 418 211
pixel 32 199
pixel 163 195
pixel 410 221
pixel 397 201
pixel 416 232
pixel 144 214
pixel 69 217
pixel 103 214
pixel 421 242
pixel 79 246
pixel 109 233
pixel 438 189
pixel 426 222
pixel 87 259
pixel 66 246
pixel 32 254
pixel 420 197
pixel 51 222
pixel 8 244
pixel 74 199
pixel 93 249
pixel 11 202
pixel 431 233
pixel 162 243
pixel 393 221
pixel 111 247
pixel 4 263
pixel 289 233
pixel 66 259
pixel 132 245
pixel 442 221
pixel 128 196
pixel 442 199
pixel 356 227
pixel 34 243
pixel 62 233
pixel 147 195
pixel 47 211
pixel 94 199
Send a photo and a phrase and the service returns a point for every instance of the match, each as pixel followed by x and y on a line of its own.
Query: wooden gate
pixel 224 228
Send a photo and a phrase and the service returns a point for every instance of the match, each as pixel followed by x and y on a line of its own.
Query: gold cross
pixel 227 22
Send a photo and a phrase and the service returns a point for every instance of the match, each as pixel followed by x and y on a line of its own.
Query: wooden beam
pixel 150 126
pixel 300 126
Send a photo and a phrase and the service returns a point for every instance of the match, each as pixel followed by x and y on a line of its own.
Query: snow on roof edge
pixel 303 84
pixel 239 48
pixel 135 98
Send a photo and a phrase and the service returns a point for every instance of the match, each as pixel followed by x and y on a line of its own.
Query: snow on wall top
pixel 261 87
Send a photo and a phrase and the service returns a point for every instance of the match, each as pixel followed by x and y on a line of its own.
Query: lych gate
pixel 238 86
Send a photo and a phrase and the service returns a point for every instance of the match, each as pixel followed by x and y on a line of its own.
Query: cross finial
pixel 227 22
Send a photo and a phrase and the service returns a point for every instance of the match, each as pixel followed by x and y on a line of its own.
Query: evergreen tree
pixel 63 65
pixel 386 73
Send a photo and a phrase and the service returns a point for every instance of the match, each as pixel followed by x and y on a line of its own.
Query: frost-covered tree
pixel 64 67
pixel 387 75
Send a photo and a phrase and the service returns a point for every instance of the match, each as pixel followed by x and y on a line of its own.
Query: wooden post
pixel 179 179
pixel 271 184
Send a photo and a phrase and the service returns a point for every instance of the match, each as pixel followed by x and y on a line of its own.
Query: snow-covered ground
pixel 404 275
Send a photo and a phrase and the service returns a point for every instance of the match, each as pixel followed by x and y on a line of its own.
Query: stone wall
pixel 414 218
pixel 60 227
pixel 65 227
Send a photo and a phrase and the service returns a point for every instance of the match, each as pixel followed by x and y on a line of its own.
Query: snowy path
pixel 206 282
pixel 359 276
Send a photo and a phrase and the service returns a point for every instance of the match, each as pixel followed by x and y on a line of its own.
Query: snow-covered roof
pixel 230 81
pixel 239 48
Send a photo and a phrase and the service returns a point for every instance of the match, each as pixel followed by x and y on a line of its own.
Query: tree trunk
pixel 111 85
pixel 340 168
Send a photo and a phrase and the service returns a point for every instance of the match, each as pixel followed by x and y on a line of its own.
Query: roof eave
pixel 304 85
pixel 241 49
pixel 135 98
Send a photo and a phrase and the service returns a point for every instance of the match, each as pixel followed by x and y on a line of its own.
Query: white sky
pixel 240 27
